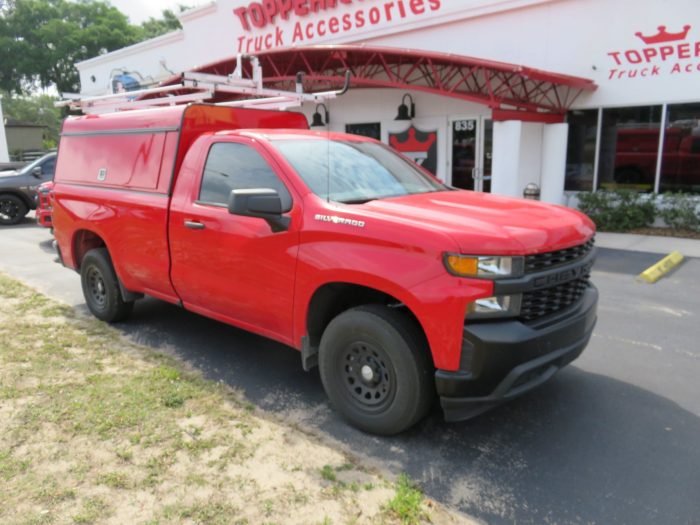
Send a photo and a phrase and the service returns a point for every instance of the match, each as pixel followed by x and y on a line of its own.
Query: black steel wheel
pixel 101 287
pixel 12 209
pixel 96 287
pixel 367 375
pixel 376 369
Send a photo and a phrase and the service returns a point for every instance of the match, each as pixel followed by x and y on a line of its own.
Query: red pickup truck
pixel 396 286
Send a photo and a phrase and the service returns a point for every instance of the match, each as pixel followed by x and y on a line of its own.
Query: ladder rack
pixel 200 87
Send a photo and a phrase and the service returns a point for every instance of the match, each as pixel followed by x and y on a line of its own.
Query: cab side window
pixel 232 166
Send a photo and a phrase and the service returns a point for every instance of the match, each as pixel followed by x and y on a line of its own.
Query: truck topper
pixel 398 287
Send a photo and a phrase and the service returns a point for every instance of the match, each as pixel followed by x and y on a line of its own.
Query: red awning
pixel 507 88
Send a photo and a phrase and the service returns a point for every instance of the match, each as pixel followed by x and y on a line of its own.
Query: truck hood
pixel 481 223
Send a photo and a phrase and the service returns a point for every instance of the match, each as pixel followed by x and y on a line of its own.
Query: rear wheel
pixel 101 287
pixel 375 368
pixel 12 209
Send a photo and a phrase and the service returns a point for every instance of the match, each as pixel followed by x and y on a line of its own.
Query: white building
pixel 608 94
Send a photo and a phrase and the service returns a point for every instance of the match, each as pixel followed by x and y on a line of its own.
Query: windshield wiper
pixel 358 201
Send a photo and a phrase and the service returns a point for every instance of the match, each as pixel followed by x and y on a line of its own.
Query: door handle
pixel 475 173
pixel 194 225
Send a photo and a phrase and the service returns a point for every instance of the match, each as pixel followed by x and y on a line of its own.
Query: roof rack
pixel 202 87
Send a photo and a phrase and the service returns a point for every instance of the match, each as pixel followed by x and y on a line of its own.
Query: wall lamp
pixel 317 119
pixel 404 113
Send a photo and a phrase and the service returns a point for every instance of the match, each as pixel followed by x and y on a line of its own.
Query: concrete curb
pixel 648 243
pixel 661 268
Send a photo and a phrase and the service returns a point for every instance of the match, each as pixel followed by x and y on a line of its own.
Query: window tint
pixel 696 145
pixel 372 130
pixel 680 163
pixel 629 147
pixel 233 166
pixel 48 168
pixel 580 150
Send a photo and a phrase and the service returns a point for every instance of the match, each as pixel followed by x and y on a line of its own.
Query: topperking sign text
pixel 269 24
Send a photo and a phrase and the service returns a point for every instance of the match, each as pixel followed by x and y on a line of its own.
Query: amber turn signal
pixel 461 265
pixel 484 266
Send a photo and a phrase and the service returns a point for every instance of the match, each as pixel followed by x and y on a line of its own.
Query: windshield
pixel 354 172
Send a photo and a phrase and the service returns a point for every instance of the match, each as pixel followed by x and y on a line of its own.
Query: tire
pixel 12 209
pixel 393 389
pixel 101 287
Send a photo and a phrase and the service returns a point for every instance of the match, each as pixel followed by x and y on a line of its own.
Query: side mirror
pixel 37 172
pixel 263 203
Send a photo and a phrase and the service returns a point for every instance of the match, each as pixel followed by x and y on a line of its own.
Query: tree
pixel 41 40
pixel 154 27
pixel 37 109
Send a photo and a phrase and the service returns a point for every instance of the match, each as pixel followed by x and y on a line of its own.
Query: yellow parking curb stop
pixel 661 268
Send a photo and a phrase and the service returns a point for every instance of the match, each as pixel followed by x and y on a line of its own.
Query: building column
pixel 517 156
pixel 4 153
pixel 529 152
pixel 554 144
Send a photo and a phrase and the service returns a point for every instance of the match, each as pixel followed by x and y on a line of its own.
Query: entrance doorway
pixel 471 148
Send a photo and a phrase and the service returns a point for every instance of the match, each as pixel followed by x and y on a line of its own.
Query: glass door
pixel 471 146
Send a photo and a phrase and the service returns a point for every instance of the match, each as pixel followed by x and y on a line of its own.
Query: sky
pixel 140 10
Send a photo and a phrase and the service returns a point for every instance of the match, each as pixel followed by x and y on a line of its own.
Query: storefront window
pixel 372 130
pixel 629 147
pixel 680 163
pixel 488 154
pixel 580 152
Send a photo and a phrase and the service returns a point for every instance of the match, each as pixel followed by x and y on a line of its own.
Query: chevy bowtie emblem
pixel 339 220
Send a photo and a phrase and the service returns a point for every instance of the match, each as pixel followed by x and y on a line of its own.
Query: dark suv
pixel 18 188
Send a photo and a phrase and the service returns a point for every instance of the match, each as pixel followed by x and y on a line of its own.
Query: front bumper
pixel 503 360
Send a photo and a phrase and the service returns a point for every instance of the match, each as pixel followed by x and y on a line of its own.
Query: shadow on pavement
pixel 584 448
pixel 27 222
pixel 626 262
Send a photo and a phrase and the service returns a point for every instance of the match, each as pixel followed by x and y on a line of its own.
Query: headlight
pixel 495 307
pixel 485 267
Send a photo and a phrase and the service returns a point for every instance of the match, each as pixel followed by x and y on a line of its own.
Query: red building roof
pixel 506 88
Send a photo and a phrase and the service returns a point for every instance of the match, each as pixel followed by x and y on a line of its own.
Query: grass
pixel 93 509
pixel 328 473
pixel 97 428
pixel 209 512
pixel 407 504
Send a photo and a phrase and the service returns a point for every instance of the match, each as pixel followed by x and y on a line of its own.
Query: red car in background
pixel 44 197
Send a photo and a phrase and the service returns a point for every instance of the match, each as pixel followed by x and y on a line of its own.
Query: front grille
pixel 545 261
pixel 550 300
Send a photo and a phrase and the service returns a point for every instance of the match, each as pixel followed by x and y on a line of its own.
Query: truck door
pixel 226 266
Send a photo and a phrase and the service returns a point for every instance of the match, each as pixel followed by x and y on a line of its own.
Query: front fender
pixel 437 299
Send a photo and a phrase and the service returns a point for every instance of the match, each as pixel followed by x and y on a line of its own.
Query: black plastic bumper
pixel 503 360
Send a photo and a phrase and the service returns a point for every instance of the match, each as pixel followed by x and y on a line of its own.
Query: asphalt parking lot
pixel 614 438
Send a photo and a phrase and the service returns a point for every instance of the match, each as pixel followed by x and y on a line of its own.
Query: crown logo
pixel 412 144
pixel 663 36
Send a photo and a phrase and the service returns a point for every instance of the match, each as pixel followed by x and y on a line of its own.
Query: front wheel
pixel 12 209
pixel 101 287
pixel 376 370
